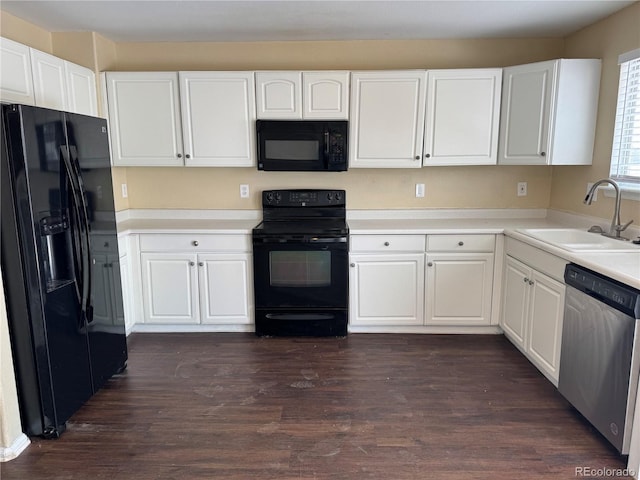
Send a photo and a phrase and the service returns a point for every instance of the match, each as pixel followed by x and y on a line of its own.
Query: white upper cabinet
pixel 144 118
pixel 49 81
pixel 292 95
pixel 462 117
pixel 325 95
pixel 32 77
pixel 549 112
pixel 81 89
pixel 218 116
pixel 279 95
pixel 16 79
pixel 387 119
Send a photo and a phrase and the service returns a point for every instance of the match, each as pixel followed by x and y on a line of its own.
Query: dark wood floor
pixel 388 407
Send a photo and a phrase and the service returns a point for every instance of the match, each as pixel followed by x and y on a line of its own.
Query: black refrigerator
pixel 57 206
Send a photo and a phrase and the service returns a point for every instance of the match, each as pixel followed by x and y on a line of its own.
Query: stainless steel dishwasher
pixel 599 362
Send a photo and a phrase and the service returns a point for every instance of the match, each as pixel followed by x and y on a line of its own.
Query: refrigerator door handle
pixel 75 163
pixel 85 260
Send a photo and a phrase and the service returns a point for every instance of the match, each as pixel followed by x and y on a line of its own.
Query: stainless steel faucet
pixel 616 227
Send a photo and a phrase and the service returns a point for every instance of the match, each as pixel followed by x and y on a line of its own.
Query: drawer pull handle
pixel 386 244
pixel 195 243
pixel 460 243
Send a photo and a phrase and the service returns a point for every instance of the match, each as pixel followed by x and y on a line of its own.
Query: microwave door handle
pixel 326 142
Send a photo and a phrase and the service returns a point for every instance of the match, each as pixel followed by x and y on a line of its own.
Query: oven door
pixel 301 274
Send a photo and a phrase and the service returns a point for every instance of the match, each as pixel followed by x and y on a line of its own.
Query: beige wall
pixel 606 40
pixel 18 30
pixel 10 428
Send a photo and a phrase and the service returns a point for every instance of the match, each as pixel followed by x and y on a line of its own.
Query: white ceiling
pixel 276 20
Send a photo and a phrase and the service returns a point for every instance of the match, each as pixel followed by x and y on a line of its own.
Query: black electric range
pixel 300 255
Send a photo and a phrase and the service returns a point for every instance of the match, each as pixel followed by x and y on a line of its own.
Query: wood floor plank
pixel 389 407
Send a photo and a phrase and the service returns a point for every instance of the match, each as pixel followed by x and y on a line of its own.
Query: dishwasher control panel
pixel 615 294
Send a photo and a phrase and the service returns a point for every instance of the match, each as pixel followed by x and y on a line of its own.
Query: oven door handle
pixel 328 240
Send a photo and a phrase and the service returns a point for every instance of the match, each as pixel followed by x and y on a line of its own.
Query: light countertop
pixel 621 266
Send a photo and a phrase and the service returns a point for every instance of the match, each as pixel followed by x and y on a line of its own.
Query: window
pixel 625 154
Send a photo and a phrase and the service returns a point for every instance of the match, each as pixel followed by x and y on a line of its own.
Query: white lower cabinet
pixel 532 313
pixel 392 286
pixel 169 285
pixel 459 288
pixel 387 289
pixel 212 287
pixel 225 288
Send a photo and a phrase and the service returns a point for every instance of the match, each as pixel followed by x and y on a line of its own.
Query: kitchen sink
pixel 576 240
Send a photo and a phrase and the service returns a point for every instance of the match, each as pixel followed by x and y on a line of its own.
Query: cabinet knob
pixel 386 244
pixel 353 265
pixel 430 264
pixel 179 155
pixel 201 264
pixel 526 280
pixel 543 154
pixel 195 243
pixel 460 243
pixel 417 157
pixel 531 282
pixel 106 244
pixel 187 156
pixel 191 264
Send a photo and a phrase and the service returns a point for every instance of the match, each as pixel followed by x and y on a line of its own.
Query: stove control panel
pixel 303 198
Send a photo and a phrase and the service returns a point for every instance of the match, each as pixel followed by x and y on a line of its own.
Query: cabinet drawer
pixel 387 243
pixel 461 243
pixel 195 243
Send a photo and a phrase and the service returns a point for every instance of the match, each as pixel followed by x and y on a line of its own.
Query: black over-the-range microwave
pixel 302 145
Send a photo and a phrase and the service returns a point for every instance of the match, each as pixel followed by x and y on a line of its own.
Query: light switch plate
pixel 419 190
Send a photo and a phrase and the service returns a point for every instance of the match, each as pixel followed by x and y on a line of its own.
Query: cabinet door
pixel 16 77
pixel 386 289
pixel 116 288
pixel 218 118
pixel 545 323
pixel 49 82
pixel 458 288
pixel 325 95
pixel 226 288
pixel 387 119
pixel 81 89
pixel 279 95
pixel 515 301
pixel 170 288
pixel 463 110
pixel 101 291
pixel 526 109
pixel 144 118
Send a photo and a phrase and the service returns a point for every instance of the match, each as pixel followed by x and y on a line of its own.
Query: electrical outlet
pixel 419 190
pixel 522 189
pixel 244 191
pixel 125 193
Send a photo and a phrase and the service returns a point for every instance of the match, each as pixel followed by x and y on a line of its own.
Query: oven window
pixel 303 150
pixel 300 269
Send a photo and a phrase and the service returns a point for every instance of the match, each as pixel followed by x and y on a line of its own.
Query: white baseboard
pixel 18 446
